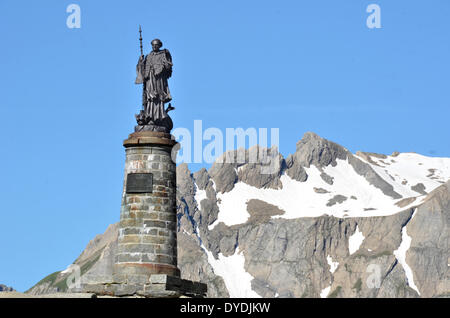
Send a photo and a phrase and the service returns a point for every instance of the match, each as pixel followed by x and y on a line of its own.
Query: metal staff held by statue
pixel 140 40
pixel 144 97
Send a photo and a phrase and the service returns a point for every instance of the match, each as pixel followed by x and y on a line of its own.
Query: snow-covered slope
pixel 406 171
pixel 314 197
pixel 320 179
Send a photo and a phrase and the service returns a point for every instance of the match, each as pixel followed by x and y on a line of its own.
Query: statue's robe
pixel 154 70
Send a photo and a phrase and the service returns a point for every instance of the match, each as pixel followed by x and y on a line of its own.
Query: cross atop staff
pixel 140 40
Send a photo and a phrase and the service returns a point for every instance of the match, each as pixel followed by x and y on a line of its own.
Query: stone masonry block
pixel 149 258
pixel 165 279
pixel 136 248
pixel 130 239
pixel 129 257
pixel 167 216
pixel 153 239
pixel 152 223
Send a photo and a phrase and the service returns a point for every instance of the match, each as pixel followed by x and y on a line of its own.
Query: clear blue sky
pixel 68 97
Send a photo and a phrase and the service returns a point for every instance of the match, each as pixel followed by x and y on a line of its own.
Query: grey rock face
pixel 404 202
pixel 258 167
pixel 187 208
pixel 291 257
pixel 314 150
pixel 297 172
pixel 321 190
pixel 184 180
pixel 224 174
pixel 336 199
pixel 265 172
pixel 102 269
pixel 194 265
pixel 207 209
pixel 373 270
pixel 354 279
pixel 429 253
pixel 98 244
pixel 201 178
pixel 192 259
pixel 419 188
pixel 210 205
pixel 328 179
pixel 261 212
pixel 4 288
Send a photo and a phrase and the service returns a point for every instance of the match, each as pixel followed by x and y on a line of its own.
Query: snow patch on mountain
pixel 231 269
pixel 355 241
pixel 298 199
pixel 200 195
pixel 324 293
pixel 400 254
pixel 333 265
pixel 407 170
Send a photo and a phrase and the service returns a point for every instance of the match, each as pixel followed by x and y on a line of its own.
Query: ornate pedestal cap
pixel 149 138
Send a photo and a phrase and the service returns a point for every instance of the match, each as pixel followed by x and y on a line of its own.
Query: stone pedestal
pixel 147 232
pixel 146 259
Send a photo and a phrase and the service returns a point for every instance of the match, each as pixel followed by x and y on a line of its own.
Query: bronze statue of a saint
pixel 153 71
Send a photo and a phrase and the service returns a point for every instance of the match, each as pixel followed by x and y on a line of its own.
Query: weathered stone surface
pixel 296 171
pixel 328 179
pixel 290 257
pixel 262 169
pixel 157 285
pixel 314 150
pixel 354 278
pixel 419 188
pixel 261 211
pixel 224 174
pixel 201 178
pixel 102 269
pixel 4 288
pixel 209 210
pixel 404 202
pixel 383 234
pixel 15 294
pixel 429 253
pixel 321 190
pixel 195 267
pixel 336 200
pixel 143 247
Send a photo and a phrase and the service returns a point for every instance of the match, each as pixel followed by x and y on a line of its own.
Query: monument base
pixel 158 286
pixel 145 262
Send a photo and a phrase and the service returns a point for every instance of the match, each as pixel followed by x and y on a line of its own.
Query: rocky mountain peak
pixel 258 166
pixel 4 288
pixel 315 150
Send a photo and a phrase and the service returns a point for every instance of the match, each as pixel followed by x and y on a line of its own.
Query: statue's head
pixel 156 45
